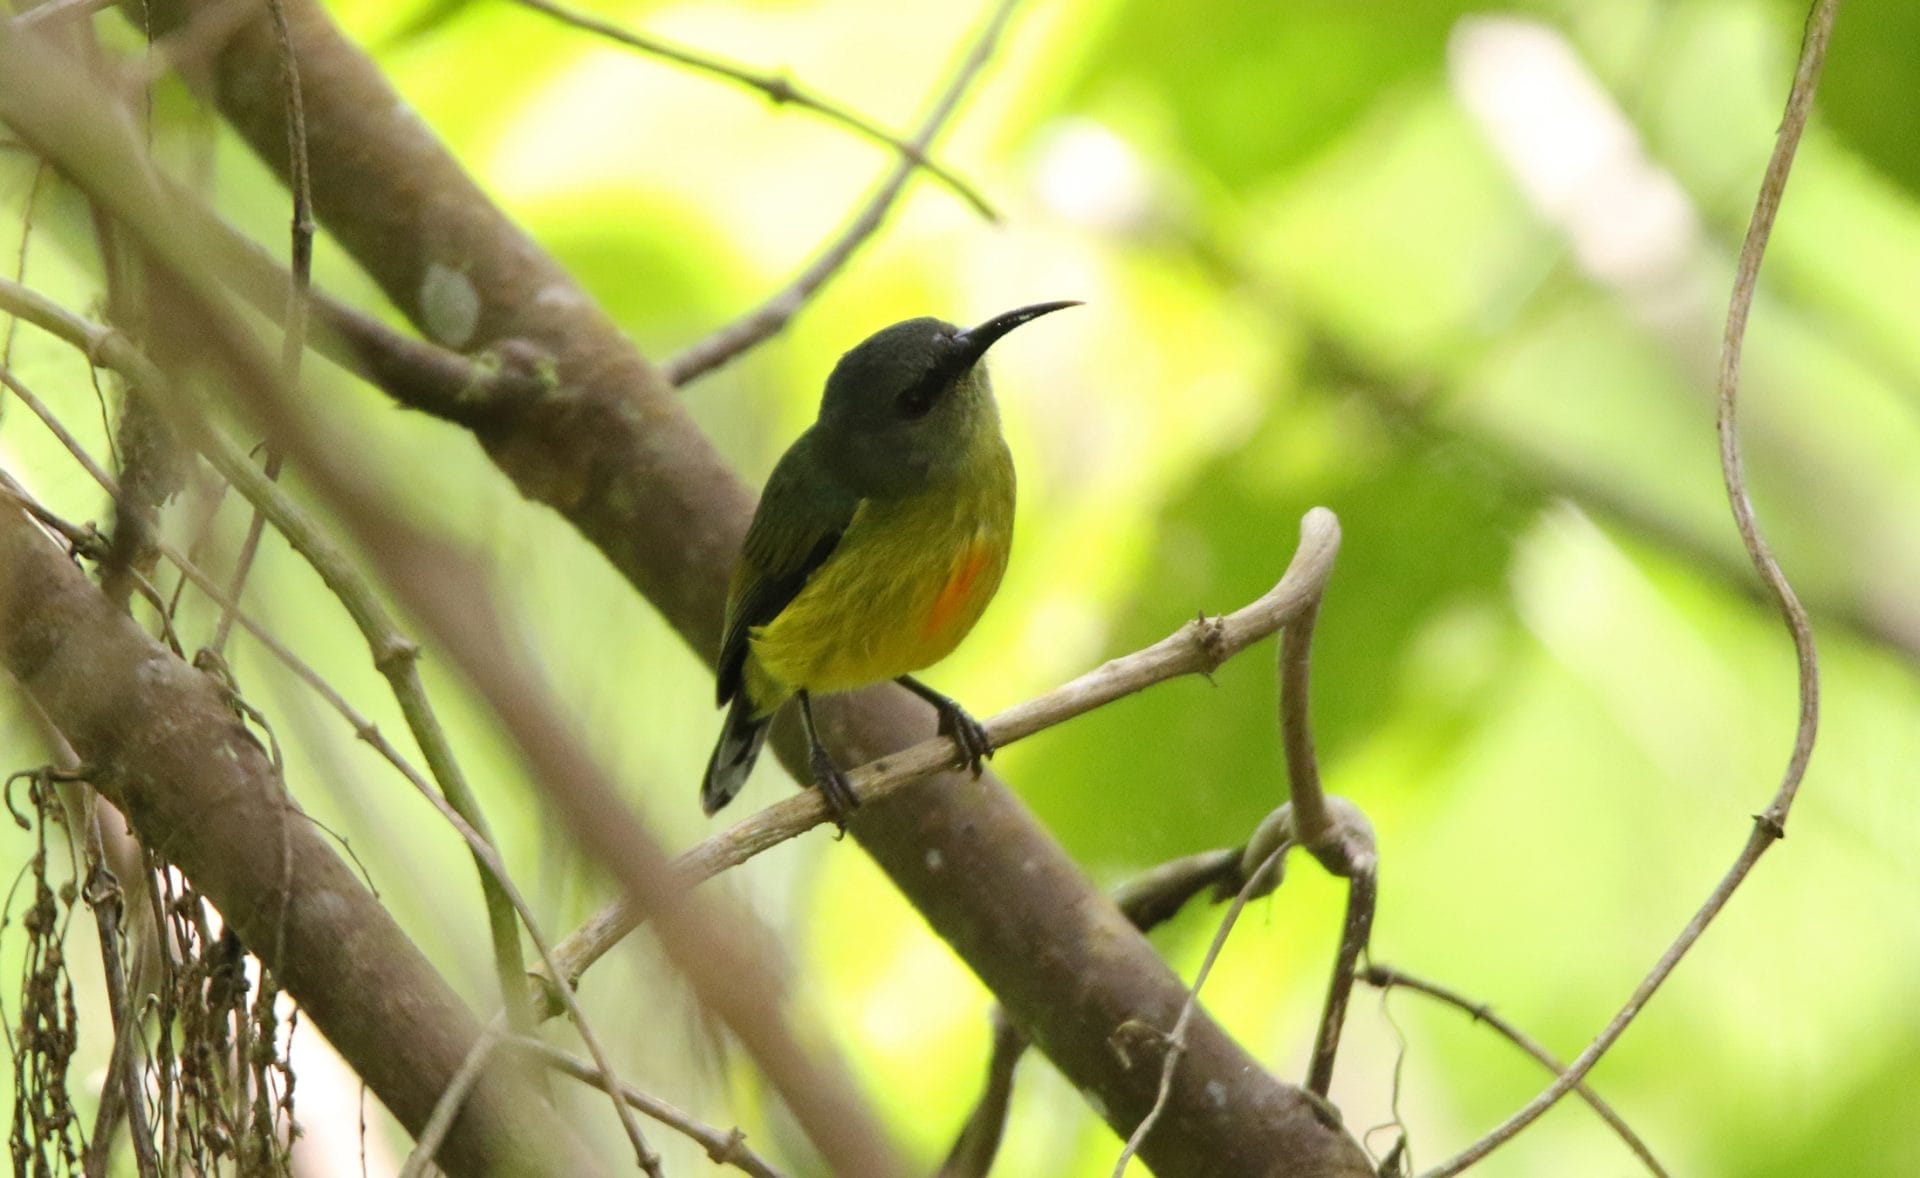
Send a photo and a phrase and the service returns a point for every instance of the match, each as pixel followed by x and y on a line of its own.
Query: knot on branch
pixel 1136 1043
pixel 501 382
pixel 731 1151
pixel 394 653
pixel 779 89
pixel 1210 635
pixel 1338 835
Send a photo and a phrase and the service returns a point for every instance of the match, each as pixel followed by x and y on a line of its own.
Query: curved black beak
pixel 975 341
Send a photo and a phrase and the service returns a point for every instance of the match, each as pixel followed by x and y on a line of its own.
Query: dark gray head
pixel 907 405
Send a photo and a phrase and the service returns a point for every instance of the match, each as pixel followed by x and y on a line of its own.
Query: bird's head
pixel 903 408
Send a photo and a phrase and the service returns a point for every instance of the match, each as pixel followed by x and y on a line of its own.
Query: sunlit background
pixel 1456 272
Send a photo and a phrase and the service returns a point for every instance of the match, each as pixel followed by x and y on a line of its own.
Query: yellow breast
pixel 906 583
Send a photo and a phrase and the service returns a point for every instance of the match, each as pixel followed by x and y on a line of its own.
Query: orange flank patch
pixel 957 593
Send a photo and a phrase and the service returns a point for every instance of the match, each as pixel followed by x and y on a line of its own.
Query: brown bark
pixel 611 450
pixel 162 744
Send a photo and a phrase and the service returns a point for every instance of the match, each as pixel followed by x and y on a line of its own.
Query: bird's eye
pixel 919 396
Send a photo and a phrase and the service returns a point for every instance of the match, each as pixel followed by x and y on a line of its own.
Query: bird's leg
pixel 967 732
pixel 826 775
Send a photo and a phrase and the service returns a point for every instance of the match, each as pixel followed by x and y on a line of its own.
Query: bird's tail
pixel 734 754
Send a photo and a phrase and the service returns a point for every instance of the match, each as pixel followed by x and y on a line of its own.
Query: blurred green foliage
pixel 1456 272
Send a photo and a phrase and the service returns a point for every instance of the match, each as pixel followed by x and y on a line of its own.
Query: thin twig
pixel 1333 830
pixel 293 339
pixel 779 89
pixel 1311 822
pixel 769 317
pixel 54 10
pixel 394 655
pixel 452 1099
pixel 979 1140
pixel 104 897
pixel 1770 825
pixel 1147 900
pixel 1386 977
pixel 1177 1040
pixel 1362 890
pixel 723 1149
pixel 1199 647
pixel 40 171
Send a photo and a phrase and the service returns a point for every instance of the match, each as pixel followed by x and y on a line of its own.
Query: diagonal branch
pixel 768 318
pixel 165 749
pixel 1197 648
pixel 1265 874
pixel 613 451
pixel 394 655
pixel 778 89
pixel 1386 977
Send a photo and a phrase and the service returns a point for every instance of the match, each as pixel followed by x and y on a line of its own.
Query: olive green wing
pixel 802 514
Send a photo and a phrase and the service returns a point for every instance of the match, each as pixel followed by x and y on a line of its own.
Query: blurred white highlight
pixel 1087 175
pixel 1575 155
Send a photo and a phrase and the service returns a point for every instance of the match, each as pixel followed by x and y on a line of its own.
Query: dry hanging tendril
pixel 46 1130
pixel 212 1047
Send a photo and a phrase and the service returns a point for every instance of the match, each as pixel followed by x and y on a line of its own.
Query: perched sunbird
pixel 880 537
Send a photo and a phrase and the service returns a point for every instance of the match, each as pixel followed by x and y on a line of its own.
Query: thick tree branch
pixel 611 451
pixel 394 655
pixel 163 745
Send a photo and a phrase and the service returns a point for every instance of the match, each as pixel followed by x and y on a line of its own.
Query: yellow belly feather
pixel 906 583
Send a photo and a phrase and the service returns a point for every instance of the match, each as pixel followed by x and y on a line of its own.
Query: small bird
pixel 881 535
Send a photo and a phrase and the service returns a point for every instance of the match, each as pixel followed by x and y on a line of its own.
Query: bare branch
pixel 1386 977
pixel 768 318
pixel 394 656
pixel 293 342
pixel 452 1099
pixel 165 748
pixel 778 88
pixel 723 1149
pixel 979 1140
pixel 1196 648
pixel 393 653
pixel 1362 891
pixel 1770 825
pixel 621 460
pixel 1176 1043
pixel 40 173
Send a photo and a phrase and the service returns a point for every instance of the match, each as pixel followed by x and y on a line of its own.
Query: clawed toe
pixel 968 733
pixel 834 788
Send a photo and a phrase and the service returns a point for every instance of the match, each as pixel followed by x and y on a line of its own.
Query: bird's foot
pixel 970 734
pixel 833 786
